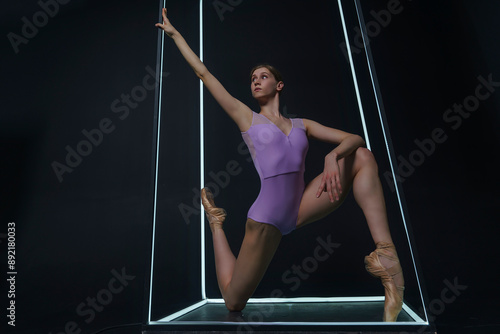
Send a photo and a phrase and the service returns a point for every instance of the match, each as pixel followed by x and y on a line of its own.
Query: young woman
pixel 278 147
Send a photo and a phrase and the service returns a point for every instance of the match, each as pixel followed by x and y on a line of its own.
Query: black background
pixel 72 234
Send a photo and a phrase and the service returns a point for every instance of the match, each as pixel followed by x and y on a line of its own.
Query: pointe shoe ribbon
pixel 393 293
pixel 215 215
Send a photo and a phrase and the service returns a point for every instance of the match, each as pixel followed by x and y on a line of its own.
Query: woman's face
pixel 263 83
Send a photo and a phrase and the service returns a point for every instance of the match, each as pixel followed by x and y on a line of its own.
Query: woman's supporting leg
pixel 239 277
pixel 383 262
pixel 367 190
pixel 359 171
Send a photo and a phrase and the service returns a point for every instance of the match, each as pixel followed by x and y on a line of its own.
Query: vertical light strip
pixel 353 71
pixel 202 163
pixel 155 190
pixel 378 99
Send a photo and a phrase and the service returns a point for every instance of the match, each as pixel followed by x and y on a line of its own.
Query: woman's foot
pixel 384 264
pixel 215 215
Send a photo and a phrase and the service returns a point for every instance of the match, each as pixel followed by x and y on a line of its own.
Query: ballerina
pixel 278 147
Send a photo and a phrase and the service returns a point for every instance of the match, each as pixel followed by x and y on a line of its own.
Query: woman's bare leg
pixel 256 252
pixel 358 171
pixel 224 257
pixel 239 277
pixel 367 190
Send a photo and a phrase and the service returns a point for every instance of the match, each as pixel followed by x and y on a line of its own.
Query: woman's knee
pixel 235 305
pixel 234 300
pixel 364 157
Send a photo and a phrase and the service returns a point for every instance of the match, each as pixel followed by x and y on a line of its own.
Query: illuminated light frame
pixel 205 300
pixel 158 101
pixel 408 310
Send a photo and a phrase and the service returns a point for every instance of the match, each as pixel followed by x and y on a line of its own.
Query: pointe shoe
pixel 393 294
pixel 215 215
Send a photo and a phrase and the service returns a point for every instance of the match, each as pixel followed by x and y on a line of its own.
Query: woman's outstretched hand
pixel 330 182
pixel 167 27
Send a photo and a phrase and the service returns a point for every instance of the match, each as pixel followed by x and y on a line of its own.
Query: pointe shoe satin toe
pixel 393 293
pixel 215 215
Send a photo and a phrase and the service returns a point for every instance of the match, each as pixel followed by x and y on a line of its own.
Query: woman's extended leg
pixel 359 171
pixel 238 277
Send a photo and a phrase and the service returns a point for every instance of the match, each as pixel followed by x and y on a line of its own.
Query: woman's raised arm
pixel 239 112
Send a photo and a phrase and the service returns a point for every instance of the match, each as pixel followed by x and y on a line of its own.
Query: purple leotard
pixel 280 162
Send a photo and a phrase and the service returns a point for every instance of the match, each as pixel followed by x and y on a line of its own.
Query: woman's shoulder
pixel 299 123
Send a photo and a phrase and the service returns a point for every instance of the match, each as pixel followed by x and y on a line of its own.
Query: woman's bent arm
pixel 347 142
pixel 238 111
pixel 348 145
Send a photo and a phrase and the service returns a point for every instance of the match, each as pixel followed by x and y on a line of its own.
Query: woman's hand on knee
pixel 330 182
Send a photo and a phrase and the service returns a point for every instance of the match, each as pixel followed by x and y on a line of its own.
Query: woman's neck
pixel 271 107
